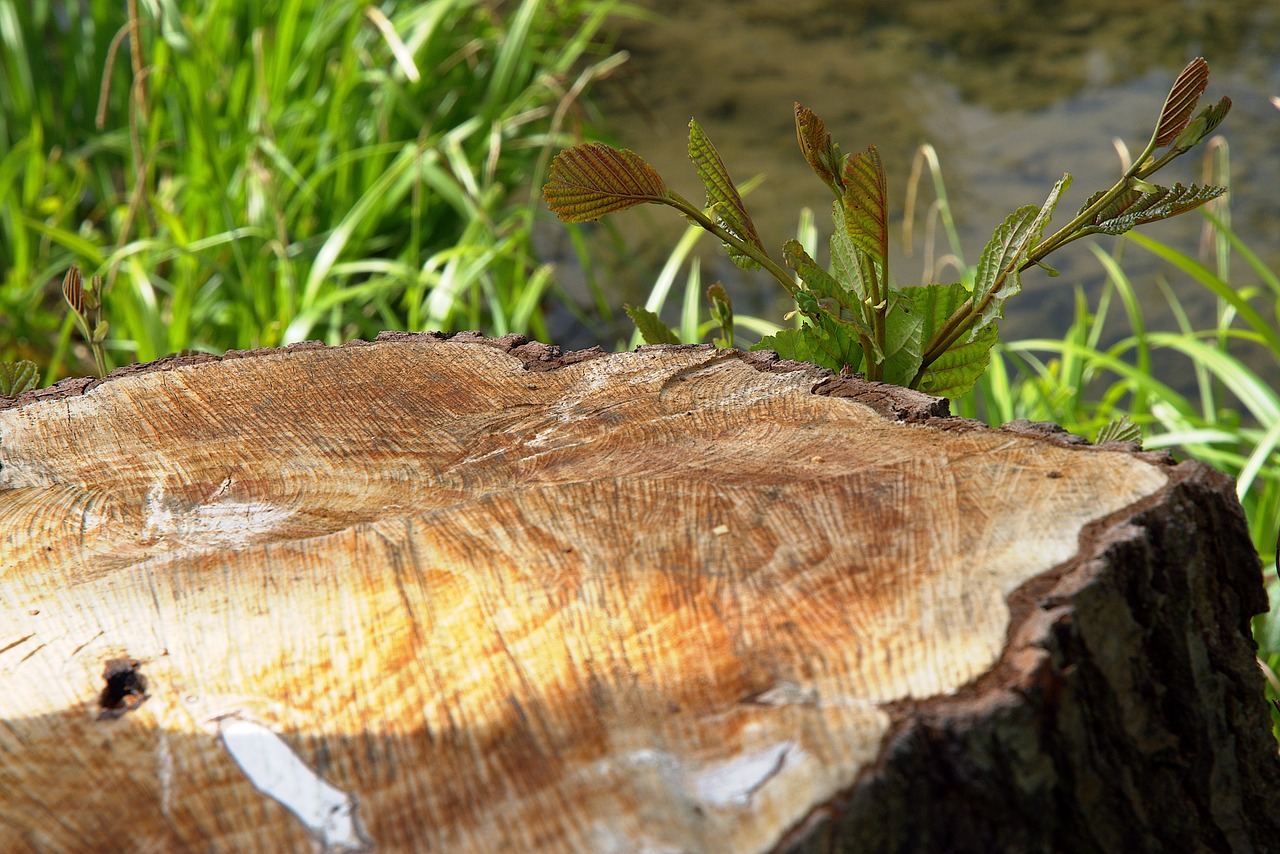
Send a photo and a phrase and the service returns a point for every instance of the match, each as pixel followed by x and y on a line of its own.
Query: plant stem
pixel 962 320
pixel 1075 229
pixel 755 253
pixel 878 309
pixel 957 324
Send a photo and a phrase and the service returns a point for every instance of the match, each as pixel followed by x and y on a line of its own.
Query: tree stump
pixel 462 595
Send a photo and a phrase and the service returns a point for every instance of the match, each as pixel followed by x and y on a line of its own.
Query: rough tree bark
pixel 469 595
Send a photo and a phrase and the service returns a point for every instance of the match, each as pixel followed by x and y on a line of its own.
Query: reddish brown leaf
pixel 817 146
pixel 865 203
pixel 1136 207
pixel 588 181
pixel 73 290
pixel 1182 100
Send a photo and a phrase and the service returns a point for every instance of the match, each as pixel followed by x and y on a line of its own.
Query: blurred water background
pixel 1010 94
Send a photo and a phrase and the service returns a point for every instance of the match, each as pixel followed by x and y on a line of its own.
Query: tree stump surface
pixel 459 594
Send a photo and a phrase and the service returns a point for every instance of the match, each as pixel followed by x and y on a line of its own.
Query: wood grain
pixel 651 601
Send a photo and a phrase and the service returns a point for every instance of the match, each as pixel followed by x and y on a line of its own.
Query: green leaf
pixel 588 181
pixel 852 268
pixel 830 346
pixel 17 377
pixel 651 327
pixel 997 277
pixel 1181 100
pixel 1120 430
pixel 865 205
pixel 824 297
pixel 956 370
pixel 903 342
pixel 935 304
pixel 824 340
pixel 721 313
pixel 822 154
pixel 723 198
pixel 1203 124
pixel 1135 207
pixel 822 284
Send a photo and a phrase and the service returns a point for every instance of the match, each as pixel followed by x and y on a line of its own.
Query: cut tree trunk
pixel 469 595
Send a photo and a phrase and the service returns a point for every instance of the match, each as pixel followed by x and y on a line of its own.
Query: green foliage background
pixel 257 172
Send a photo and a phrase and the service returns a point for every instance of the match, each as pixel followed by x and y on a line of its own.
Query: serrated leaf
pixel 954 373
pixel 997 277
pixel 822 154
pixel 851 266
pixel 1089 201
pixel 723 198
pixel 832 347
pixel 1205 123
pixel 956 370
pixel 865 204
pixel 588 181
pixel 651 327
pixel 935 304
pixel 17 377
pixel 903 343
pixel 996 274
pixel 828 295
pixel 1182 99
pixel 1046 210
pixel 1120 430
pixel 821 283
pixel 1135 207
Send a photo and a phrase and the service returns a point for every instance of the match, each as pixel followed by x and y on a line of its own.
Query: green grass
pixel 267 171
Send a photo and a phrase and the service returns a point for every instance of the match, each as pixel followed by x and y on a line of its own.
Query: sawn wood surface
pixel 653 601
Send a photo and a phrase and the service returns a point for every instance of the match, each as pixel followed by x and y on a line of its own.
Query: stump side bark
pixel 473 595
pixel 1123 716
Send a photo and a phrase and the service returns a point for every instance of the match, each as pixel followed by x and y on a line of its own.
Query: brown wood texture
pixel 497 599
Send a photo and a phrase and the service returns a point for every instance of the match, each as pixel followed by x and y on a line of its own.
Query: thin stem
pixel 99 358
pixel 957 324
pixel 755 253
pixel 1073 230
pixel 962 320
pixel 878 308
